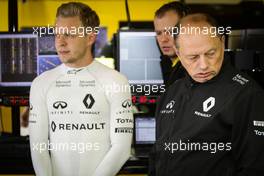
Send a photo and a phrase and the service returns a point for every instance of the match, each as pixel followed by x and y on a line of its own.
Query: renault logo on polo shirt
pixel 208 104
pixel 76 126
pixel 88 101
pixel 60 105
pixel 170 104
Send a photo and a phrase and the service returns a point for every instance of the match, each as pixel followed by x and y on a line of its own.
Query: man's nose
pixel 60 40
pixel 165 37
pixel 203 62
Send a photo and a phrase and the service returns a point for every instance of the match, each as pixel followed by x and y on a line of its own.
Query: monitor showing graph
pixel 18 58
pixel 139 57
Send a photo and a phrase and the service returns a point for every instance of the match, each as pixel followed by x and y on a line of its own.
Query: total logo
pixel 126 104
pixel 169 108
pixel 259 133
pixel 59 107
pixel 76 126
pixel 121 120
pixel 208 104
pixel 89 102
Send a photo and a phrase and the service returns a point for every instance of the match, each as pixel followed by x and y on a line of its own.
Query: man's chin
pixel 64 59
pixel 202 80
pixel 170 55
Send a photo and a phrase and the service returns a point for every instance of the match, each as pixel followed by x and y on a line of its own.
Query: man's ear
pixel 223 40
pixel 91 38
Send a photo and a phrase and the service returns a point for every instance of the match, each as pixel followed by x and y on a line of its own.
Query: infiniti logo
pixel 170 104
pixel 60 105
pixel 30 107
pixel 126 104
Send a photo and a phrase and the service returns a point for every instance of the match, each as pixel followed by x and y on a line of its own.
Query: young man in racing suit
pixel 80 120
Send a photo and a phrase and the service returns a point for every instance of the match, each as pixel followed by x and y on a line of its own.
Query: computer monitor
pixel 139 57
pixel 46 39
pixel 18 58
pixel 145 128
pixel 47 62
pixel 47 44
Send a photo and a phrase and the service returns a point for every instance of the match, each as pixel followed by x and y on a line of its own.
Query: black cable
pixel 128 15
pixel 13 15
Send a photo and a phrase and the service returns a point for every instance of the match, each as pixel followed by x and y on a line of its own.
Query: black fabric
pixel 238 105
